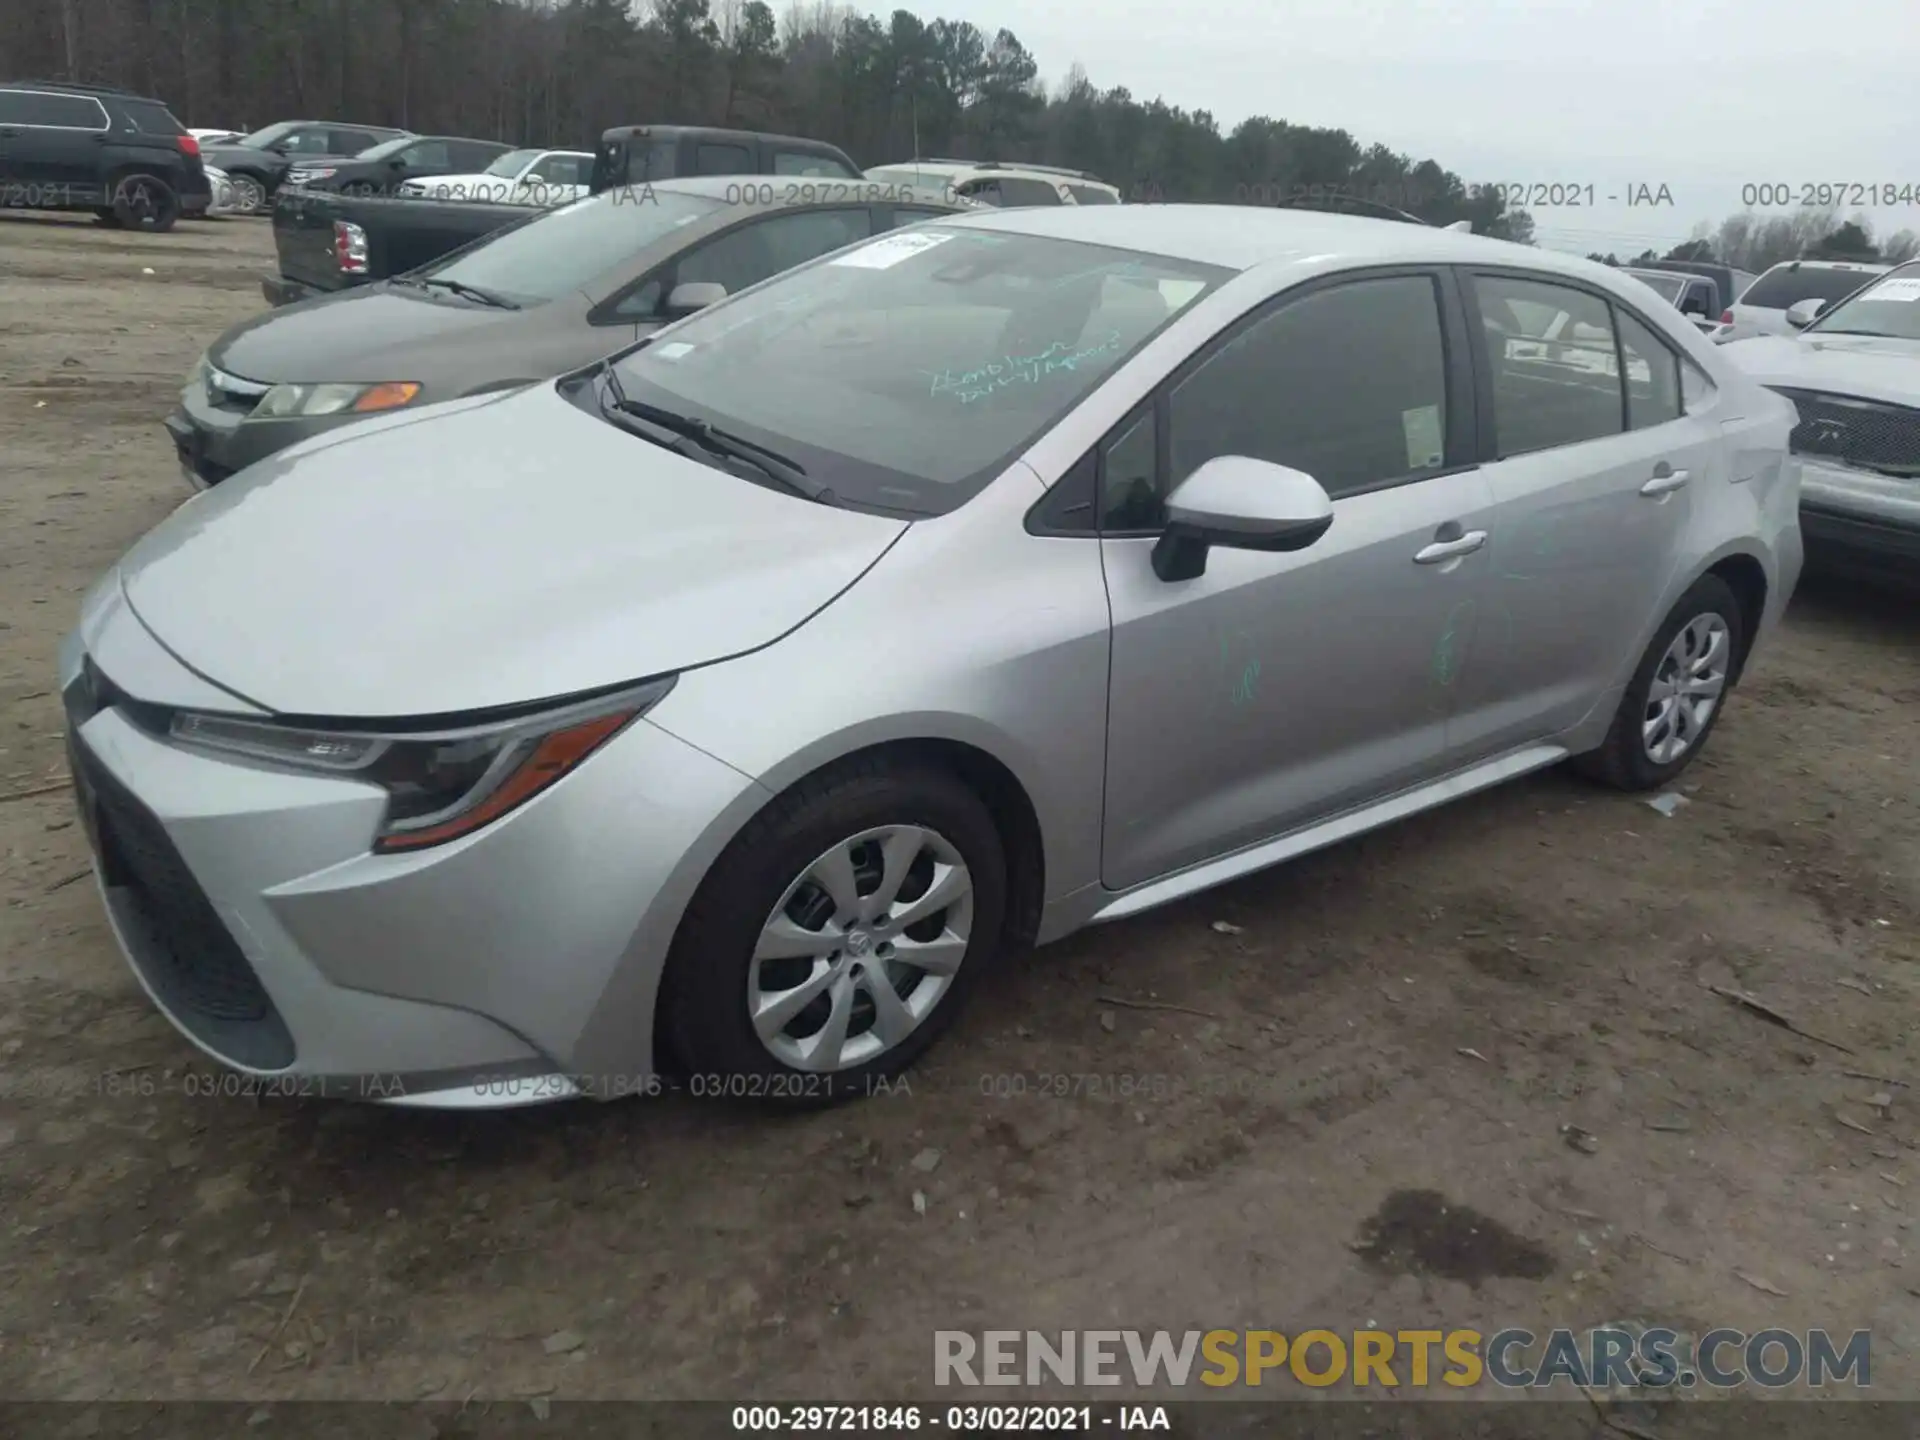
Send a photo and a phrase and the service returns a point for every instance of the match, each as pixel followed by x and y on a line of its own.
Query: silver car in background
pixel 727 707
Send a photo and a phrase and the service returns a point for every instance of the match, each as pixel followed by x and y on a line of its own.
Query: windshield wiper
pixel 1870 334
pixel 711 441
pixel 468 292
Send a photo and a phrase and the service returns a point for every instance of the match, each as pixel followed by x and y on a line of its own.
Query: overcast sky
pixel 1703 98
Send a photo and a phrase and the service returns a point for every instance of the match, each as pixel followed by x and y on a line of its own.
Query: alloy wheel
pixel 1687 687
pixel 249 195
pixel 863 945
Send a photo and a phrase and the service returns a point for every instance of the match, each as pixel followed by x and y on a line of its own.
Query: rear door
pixel 1593 464
pixel 58 146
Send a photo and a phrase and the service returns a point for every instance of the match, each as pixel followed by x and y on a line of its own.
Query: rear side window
pixel 563 170
pixel 69 112
pixel 1781 288
pixel 150 117
pixel 1091 195
pixel 1017 190
pixel 1653 375
pixel 712 159
pixel 1556 373
pixel 352 142
pixel 801 162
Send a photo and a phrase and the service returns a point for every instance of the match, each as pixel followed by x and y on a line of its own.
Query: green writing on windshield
pixel 980 381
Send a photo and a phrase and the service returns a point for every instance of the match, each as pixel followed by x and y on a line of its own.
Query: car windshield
pixel 1785 286
pixel 1668 286
pixel 905 373
pixel 260 139
pixel 566 249
pixel 512 163
pixel 1890 307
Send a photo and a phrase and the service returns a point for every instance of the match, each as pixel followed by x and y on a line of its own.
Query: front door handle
pixel 1665 480
pixel 1442 550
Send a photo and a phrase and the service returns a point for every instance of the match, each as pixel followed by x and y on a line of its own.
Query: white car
pixel 987 183
pixel 226 199
pixel 519 177
pixel 1762 306
pixel 216 137
pixel 1853 373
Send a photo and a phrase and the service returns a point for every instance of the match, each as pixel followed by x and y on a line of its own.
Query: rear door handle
pixel 1665 480
pixel 1442 550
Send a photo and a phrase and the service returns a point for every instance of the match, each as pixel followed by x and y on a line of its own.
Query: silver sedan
pixel 725 709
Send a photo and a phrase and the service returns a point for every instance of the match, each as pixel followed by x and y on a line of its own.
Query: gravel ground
pixel 1403 1023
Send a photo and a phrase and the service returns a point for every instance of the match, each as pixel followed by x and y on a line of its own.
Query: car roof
pixel 1831 265
pixel 670 131
pixel 1240 237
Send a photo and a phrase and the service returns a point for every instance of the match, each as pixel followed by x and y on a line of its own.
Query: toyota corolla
pixel 728 707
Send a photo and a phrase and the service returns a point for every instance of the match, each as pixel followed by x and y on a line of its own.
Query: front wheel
pixel 249 195
pixel 836 937
pixel 1677 692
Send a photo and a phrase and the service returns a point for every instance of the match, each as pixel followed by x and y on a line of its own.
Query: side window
pixel 350 142
pixel 1016 190
pixel 799 162
pixel 308 142
pixel 1653 374
pixel 561 170
pixel 712 159
pixel 66 112
pixel 1550 351
pixel 1092 195
pixel 986 192
pixel 1129 476
pixel 763 248
pixel 428 154
pixel 642 303
pixel 1348 384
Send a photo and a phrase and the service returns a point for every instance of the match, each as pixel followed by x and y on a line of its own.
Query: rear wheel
pixel 1676 694
pixel 145 202
pixel 837 937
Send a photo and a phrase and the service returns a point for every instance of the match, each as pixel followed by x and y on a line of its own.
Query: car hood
pixel 1867 366
pixel 376 332
pixel 481 554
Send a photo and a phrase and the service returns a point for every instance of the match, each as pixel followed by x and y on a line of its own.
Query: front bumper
pixel 517 965
pixel 1860 521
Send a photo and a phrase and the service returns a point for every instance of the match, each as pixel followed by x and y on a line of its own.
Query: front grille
pixel 1866 433
pixel 203 967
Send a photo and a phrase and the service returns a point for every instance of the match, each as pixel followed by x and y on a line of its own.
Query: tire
pixel 763 877
pixel 1637 754
pixel 145 202
pixel 249 193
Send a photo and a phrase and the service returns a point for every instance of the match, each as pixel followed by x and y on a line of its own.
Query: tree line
pixel 559 72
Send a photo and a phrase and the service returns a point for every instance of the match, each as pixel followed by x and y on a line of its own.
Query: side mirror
pixel 1803 313
pixel 695 295
pixel 1244 504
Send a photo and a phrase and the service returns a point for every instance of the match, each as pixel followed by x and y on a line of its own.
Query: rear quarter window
pixel 150 117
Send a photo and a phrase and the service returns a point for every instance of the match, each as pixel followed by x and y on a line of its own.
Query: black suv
pixel 390 164
pixel 89 147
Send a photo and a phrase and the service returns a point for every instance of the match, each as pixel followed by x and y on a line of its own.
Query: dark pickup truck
pixel 328 242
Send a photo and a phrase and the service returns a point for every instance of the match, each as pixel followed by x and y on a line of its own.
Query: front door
pixel 1596 463
pixel 1278 689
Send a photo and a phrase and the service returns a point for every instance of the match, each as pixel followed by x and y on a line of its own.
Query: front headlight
pixel 317 173
pixel 441 785
pixel 283 402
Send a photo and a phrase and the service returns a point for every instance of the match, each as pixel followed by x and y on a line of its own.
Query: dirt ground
pixel 1423 1010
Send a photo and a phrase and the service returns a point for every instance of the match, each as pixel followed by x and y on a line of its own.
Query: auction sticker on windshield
pixel 1901 289
pixel 885 254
